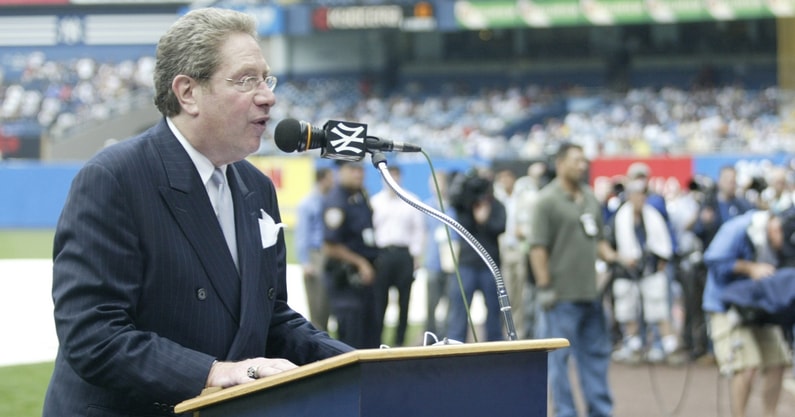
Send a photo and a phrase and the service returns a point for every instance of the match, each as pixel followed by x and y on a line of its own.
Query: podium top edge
pixel 369 355
pixel 365 355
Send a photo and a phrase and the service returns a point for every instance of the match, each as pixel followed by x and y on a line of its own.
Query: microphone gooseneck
pixel 380 163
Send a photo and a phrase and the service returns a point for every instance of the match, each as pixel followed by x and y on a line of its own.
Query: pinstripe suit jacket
pixel 146 293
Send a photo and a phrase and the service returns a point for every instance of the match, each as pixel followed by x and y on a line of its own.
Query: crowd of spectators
pixel 59 96
pixel 456 122
pixel 447 118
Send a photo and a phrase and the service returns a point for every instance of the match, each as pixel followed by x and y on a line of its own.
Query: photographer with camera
pixel 746 247
pixel 471 195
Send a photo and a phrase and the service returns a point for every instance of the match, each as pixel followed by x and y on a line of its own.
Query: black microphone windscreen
pixel 288 135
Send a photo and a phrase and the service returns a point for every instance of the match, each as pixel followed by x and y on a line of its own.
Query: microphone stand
pixel 379 162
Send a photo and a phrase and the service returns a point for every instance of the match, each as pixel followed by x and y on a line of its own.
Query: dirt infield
pixel 689 391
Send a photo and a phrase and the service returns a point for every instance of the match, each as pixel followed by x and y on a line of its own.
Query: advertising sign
pixel 293 179
pixel 418 17
pixel 357 17
pixel 482 14
pixel 32 2
pixel 19 147
pixel 611 12
pixel 665 172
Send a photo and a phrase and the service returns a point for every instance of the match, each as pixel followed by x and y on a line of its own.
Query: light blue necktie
pixel 225 211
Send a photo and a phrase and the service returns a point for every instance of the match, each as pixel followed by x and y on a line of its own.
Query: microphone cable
pixel 651 369
pixel 658 397
pixel 453 254
pixel 656 389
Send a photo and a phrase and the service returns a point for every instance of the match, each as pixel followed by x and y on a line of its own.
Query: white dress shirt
pixel 396 223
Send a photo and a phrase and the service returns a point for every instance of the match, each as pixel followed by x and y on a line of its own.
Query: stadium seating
pixel 449 117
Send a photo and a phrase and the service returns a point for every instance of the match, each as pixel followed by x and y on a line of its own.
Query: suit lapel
pixel 249 251
pixel 187 199
pixel 246 226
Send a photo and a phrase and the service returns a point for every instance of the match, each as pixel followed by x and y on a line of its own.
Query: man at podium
pixel 169 268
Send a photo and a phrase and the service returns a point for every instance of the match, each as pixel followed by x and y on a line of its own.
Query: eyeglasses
pixel 248 84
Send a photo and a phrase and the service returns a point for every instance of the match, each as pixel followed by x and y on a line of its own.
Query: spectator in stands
pixel 61 96
pixel 173 298
pixel 309 247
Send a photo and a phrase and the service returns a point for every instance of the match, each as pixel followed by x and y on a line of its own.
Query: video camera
pixel 466 189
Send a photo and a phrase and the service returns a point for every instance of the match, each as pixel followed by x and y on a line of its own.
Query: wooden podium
pixel 476 379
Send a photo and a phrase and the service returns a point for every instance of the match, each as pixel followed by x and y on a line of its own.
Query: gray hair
pixel 191 47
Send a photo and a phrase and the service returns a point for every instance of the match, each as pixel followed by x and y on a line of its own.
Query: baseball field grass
pixel 24 244
pixel 22 387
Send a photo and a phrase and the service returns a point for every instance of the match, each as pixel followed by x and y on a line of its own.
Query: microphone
pixel 337 139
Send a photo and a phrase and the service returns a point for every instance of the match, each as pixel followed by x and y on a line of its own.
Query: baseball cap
pixel 638 169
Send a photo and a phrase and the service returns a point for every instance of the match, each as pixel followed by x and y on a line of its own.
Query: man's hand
pixel 227 374
pixel 366 272
pixel 546 297
pixel 760 270
pixel 481 211
pixel 707 215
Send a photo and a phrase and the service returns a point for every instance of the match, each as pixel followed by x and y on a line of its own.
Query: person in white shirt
pixel 399 235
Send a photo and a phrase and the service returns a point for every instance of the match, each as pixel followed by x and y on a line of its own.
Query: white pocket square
pixel 268 229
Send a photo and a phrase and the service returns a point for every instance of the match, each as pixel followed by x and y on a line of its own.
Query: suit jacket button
pixel 271 293
pixel 201 294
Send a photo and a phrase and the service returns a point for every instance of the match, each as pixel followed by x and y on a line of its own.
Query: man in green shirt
pixel 567 239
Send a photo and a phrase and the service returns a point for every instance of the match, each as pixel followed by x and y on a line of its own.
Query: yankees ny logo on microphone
pixel 345 140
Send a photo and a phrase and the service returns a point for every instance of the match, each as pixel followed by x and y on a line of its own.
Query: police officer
pixel 350 250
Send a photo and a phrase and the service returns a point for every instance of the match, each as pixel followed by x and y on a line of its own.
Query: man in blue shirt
pixel 309 245
pixel 745 247
pixel 720 206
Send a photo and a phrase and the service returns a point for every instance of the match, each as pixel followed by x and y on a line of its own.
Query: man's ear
pixel 188 93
